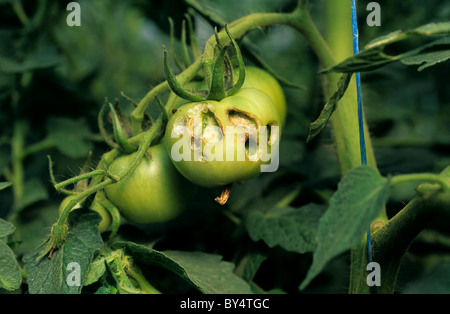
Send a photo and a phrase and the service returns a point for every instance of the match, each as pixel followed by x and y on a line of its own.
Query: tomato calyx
pixel 219 75
pixel 58 236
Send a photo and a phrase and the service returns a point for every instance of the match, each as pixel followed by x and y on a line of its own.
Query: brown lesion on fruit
pixel 272 137
pixel 241 118
pixel 248 124
pixel 204 124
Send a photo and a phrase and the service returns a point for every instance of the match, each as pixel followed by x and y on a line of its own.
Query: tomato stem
pixel 412 177
pixel 144 285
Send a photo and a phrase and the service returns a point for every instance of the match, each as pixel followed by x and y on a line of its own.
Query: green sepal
pixel 241 65
pixel 217 90
pixel 162 107
pixel 208 69
pixel 57 237
pixel 172 45
pixel 101 125
pixel 174 85
pixel 192 38
pixel 184 48
pixel 222 74
pixel 119 133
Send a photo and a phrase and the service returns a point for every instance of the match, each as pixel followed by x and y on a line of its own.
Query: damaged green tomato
pixel 216 143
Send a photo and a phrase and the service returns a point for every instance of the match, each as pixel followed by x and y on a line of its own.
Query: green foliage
pixel 293 229
pixel 50 274
pixel 10 275
pixel 206 272
pixel 359 200
pixel 373 56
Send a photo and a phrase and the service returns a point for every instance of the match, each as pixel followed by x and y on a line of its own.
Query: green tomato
pixel 104 224
pixel 215 143
pixel 153 193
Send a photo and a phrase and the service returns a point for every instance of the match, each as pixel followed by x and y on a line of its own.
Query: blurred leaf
pixel 293 229
pixel 33 226
pixel 427 59
pixel 4 185
pixel 49 276
pixel 10 274
pixel 373 55
pixel 435 281
pixel 206 272
pixel 359 199
pixel 6 228
pixel 208 12
pixel 246 195
pixel 70 136
pixel 45 56
pixel 34 191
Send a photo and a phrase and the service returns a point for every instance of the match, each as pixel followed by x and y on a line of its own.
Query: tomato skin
pixel 153 193
pixel 106 221
pixel 264 81
pixel 249 107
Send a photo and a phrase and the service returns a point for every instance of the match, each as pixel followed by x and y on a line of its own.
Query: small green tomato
pixel 153 193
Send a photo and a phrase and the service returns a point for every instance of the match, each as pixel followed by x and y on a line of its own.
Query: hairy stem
pixel 393 239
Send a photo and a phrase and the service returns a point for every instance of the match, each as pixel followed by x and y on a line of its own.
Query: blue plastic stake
pixel 362 143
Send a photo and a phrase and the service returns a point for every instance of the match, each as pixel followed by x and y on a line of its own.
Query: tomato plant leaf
pixel 53 275
pixel 360 197
pixel 293 229
pixel 206 272
pixel 210 272
pixel 249 265
pixel 427 59
pixel 373 56
pixel 10 274
pixel 6 228
pixel 96 270
pixel 325 115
